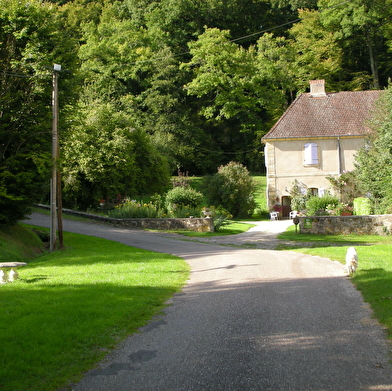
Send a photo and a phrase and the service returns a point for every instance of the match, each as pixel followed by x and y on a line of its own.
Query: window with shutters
pixel 311 154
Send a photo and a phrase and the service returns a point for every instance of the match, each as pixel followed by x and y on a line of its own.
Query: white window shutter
pixel 310 154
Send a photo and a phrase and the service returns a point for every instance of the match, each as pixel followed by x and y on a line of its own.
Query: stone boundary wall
pixel 345 225
pixel 188 224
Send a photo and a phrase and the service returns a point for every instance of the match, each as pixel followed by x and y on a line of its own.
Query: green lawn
pixel 232 228
pixel 374 274
pixel 261 212
pixel 70 307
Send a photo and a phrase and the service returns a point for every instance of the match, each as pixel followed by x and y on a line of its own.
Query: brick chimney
pixel 317 88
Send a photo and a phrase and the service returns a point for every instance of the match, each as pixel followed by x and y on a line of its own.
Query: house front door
pixel 286 206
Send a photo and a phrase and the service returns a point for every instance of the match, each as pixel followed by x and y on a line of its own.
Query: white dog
pixel 351 260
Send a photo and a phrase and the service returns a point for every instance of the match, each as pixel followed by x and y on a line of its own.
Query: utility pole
pixel 54 182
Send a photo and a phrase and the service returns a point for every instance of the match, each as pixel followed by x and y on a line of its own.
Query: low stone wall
pixel 189 224
pixel 345 225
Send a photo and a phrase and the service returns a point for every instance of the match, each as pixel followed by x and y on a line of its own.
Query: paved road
pixel 248 319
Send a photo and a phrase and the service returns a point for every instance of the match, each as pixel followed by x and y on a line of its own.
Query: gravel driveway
pixel 248 319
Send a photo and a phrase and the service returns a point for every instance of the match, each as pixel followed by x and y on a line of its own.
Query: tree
pixel 276 66
pixel 317 54
pixel 374 160
pixel 32 39
pixel 358 25
pixel 104 155
pixel 225 76
pixel 231 94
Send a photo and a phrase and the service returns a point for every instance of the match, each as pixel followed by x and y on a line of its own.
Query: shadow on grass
pixel 293 240
pixel 49 329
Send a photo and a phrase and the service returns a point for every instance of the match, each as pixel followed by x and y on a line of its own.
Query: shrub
pixel 221 217
pixel 183 196
pixel 232 188
pixel 298 198
pixel 318 206
pixel 132 209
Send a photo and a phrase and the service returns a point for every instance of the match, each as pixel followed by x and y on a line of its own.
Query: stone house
pixel 317 136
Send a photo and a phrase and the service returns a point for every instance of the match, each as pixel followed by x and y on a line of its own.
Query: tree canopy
pixel 153 86
pixel 374 160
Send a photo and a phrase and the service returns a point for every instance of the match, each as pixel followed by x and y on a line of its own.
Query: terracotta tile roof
pixel 336 114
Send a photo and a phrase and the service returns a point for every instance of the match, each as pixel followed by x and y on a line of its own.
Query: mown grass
pixel 232 228
pixel 17 243
pixel 374 274
pixel 70 307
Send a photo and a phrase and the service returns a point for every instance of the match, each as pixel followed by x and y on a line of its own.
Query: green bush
pixel 221 217
pixel 362 206
pixel 232 188
pixel 318 206
pixel 183 196
pixel 132 209
pixel 298 199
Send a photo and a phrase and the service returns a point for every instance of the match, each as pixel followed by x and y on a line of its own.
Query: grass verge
pixel 374 274
pixel 233 228
pixel 17 243
pixel 71 307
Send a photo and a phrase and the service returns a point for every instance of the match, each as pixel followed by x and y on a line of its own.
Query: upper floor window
pixel 311 154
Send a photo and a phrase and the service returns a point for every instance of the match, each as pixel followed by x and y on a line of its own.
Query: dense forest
pixel 150 87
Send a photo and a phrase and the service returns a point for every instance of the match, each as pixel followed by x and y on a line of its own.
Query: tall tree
pixel 356 24
pixel 31 39
pixel 317 54
pixel 104 155
pixel 226 78
pixel 374 160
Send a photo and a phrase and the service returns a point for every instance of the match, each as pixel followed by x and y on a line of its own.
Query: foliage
pixel 298 197
pixel 32 38
pixel 340 209
pixel 199 81
pixel 316 206
pixel 223 69
pixel 317 54
pixel 134 209
pixel 70 308
pixel 183 196
pixel 104 156
pixel 220 215
pixel 346 186
pixel 362 206
pixel 181 180
pixel 232 188
pixel 359 24
pixel 374 160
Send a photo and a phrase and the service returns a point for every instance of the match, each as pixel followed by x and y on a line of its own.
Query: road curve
pixel 246 320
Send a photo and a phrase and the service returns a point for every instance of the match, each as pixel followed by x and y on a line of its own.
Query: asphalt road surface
pixel 248 319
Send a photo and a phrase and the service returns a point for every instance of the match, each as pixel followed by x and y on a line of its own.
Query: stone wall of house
pixel 189 224
pixel 345 225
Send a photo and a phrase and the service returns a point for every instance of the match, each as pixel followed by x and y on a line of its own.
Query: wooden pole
pixel 55 156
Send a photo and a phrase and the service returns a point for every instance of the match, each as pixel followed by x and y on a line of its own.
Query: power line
pixel 227 153
pixel 21 75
